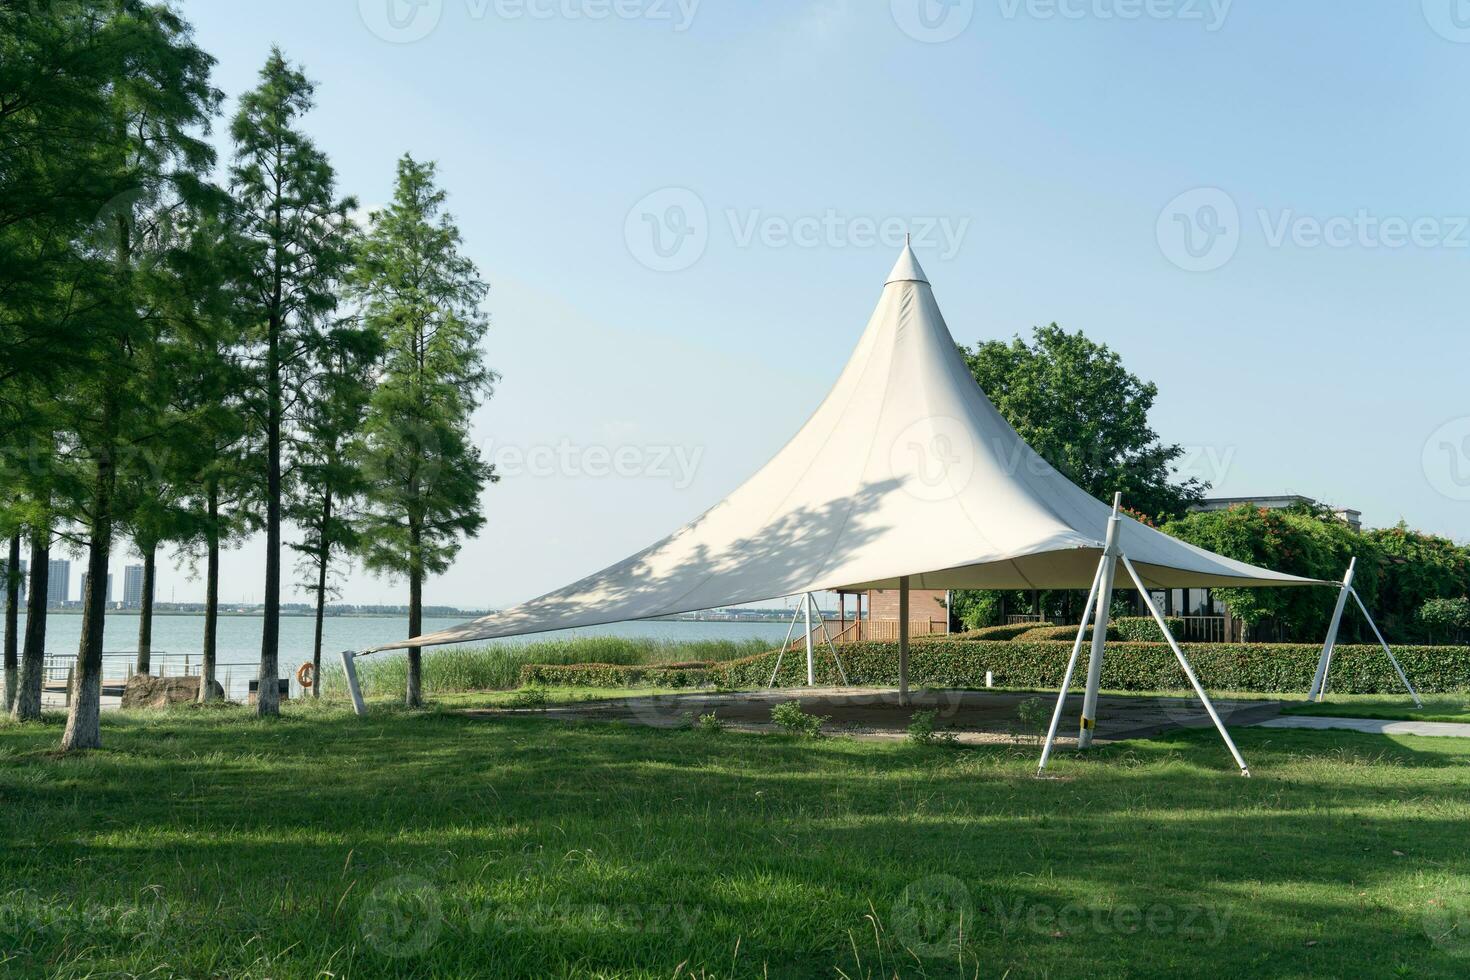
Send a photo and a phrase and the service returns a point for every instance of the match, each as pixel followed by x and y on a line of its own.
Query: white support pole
pixel 811 660
pixel 784 644
pixel 1100 627
pixel 1056 716
pixel 349 667
pixel 1319 681
pixel 1384 643
pixel 903 641
pixel 828 638
pixel 1184 663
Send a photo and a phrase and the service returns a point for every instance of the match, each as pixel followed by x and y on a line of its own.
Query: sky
pixel 686 210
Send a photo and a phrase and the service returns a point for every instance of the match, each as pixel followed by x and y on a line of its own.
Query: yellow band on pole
pixel 1089 724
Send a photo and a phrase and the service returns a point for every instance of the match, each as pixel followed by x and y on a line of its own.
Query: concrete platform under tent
pixel 975 716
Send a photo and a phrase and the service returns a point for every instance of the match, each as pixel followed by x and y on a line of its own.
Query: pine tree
pixel 426 476
pixel 159 107
pixel 296 236
pixel 328 481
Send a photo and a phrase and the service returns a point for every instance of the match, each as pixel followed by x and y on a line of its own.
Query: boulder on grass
pixel 147 691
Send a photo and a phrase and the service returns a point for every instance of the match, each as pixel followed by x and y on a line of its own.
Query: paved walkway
pixel 1373 726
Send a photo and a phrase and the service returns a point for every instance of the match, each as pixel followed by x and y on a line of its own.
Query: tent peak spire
pixel 907 269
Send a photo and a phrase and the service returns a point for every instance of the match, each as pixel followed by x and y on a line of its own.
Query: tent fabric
pixel 905 469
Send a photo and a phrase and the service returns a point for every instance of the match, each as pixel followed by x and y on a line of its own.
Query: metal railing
pixel 1205 629
pixel 1013 620
pixel 58 669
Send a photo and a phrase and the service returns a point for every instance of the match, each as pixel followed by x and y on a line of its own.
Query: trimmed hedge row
pixel 1007 632
pixel 1124 629
pixel 1143 629
pixel 1273 668
pixel 1132 667
pixel 692 674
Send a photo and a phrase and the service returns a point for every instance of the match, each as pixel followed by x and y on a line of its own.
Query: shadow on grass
pixel 542 848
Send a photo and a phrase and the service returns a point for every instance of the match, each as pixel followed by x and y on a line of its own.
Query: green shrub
pixel 1143 629
pixel 710 724
pixel 1446 617
pixel 1055 634
pixel 1122 629
pixel 618 675
pixel 788 716
pixel 530 697
pixel 1007 632
pixel 924 729
pixel 1264 668
pixel 497 666
pixel 1034 717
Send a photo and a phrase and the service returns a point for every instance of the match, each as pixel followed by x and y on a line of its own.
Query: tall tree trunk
pixel 27 705
pixel 83 722
pixel 12 621
pixel 267 696
pixel 324 555
pixel 211 597
pixel 145 611
pixel 414 697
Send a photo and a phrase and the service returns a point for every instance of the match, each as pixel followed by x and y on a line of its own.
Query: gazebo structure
pixel 904 477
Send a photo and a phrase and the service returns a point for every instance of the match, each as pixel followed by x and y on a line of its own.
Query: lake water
pixel 238 639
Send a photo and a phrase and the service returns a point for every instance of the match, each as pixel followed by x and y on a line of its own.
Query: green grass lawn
pixel 206 843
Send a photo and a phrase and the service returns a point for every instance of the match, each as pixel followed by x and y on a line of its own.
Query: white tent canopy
pixel 904 471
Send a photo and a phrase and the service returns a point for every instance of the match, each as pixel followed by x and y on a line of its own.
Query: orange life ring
pixel 306 675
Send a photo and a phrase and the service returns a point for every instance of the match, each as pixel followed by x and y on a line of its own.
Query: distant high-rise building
pixel 58 581
pixel 133 587
pixel 4 575
pixel 106 596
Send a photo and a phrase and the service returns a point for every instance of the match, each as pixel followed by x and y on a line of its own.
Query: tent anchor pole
pixel 1056 716
pixel 811 660
pixel 784 644
pixel 903 641
pixel 349 667
pixel 1109 567
pixel 1184 663
pixel 1384 643
pixel 1324 662
pixel 828 638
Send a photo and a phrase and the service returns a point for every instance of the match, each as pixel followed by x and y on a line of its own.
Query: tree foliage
pixel 295 236
pixel 419 291
pixel 1075 403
